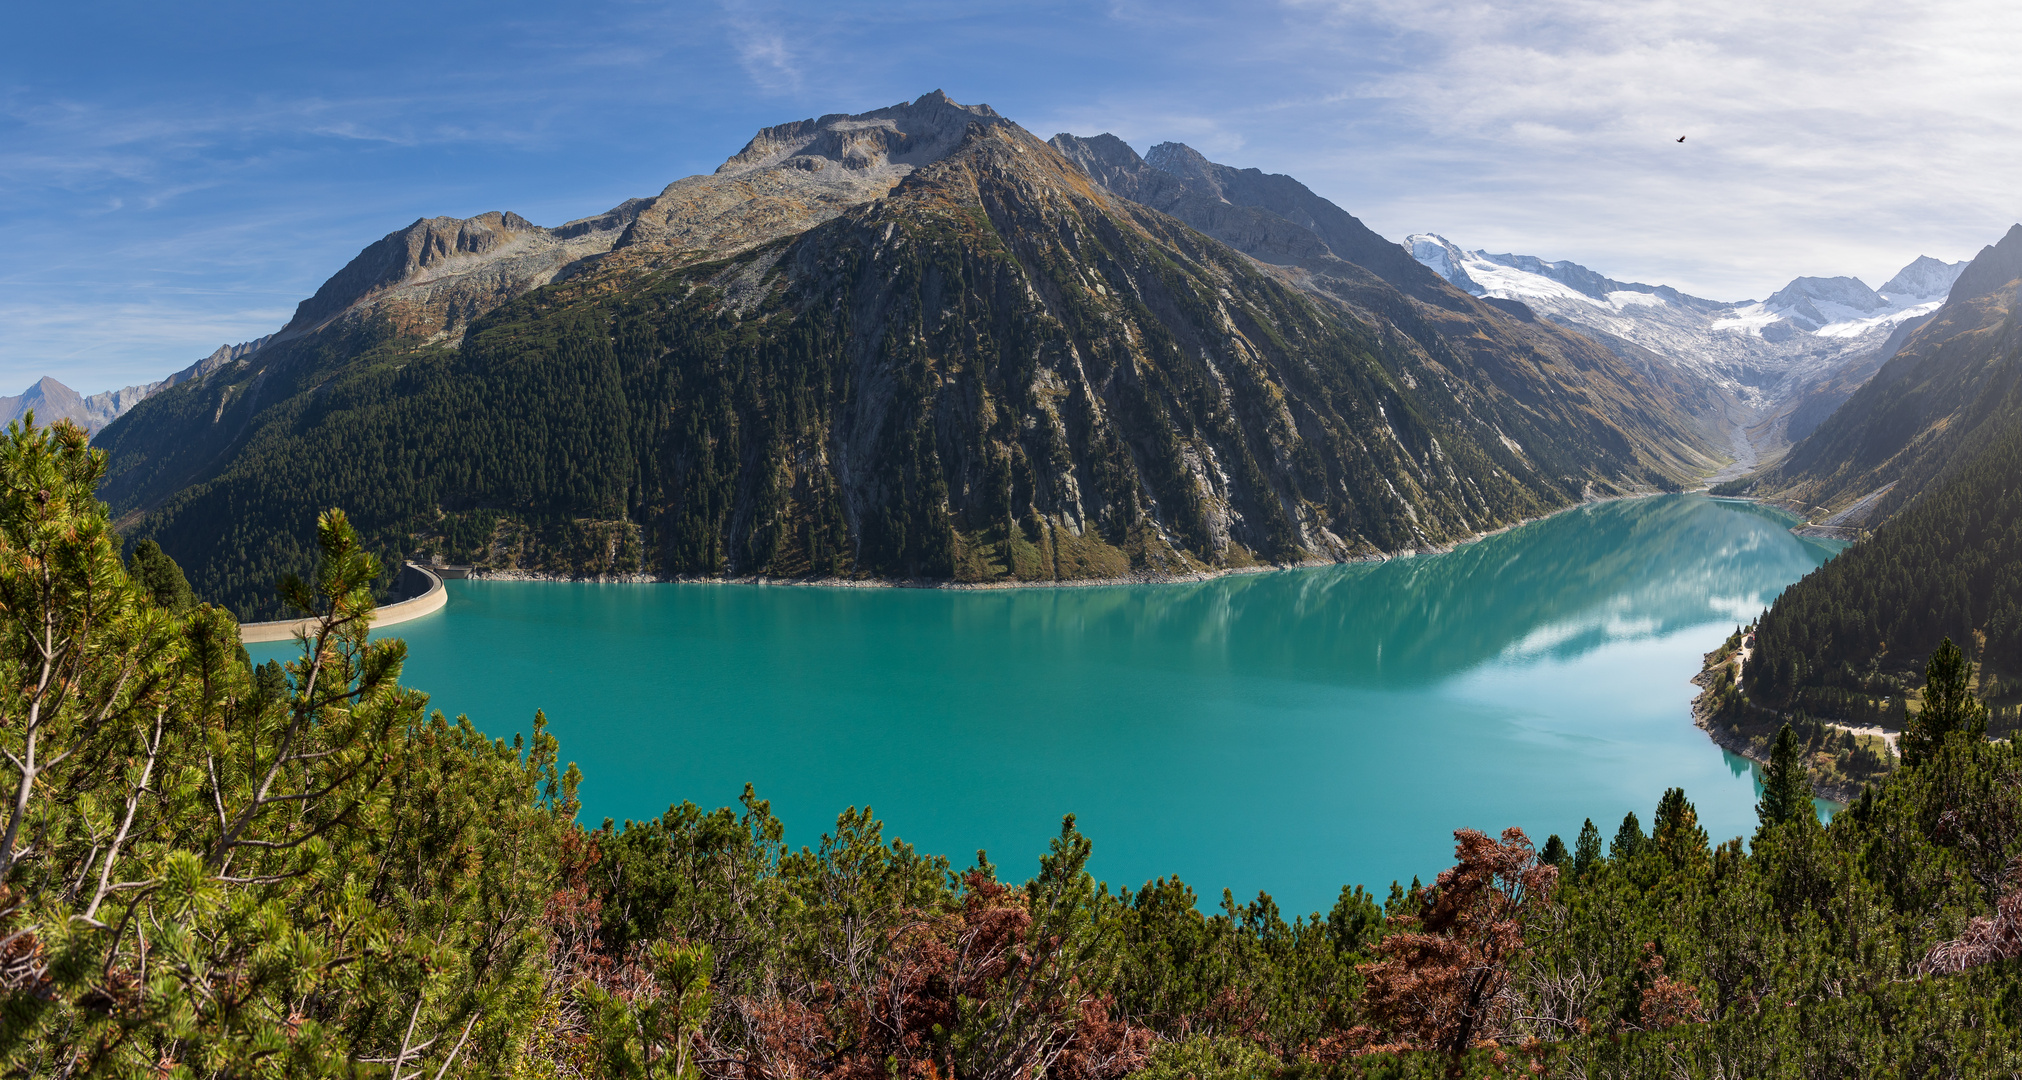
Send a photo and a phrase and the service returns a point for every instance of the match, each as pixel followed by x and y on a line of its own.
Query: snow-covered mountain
pixel 1843 307
pixel 1770 354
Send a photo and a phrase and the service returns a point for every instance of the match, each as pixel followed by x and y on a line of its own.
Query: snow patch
pixel 1856 327
pixel 1625 298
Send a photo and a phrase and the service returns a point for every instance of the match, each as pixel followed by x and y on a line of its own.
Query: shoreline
pixel 1840 795
pixel 433 597
pixel 456 573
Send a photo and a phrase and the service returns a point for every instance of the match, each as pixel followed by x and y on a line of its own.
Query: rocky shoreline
pixel 1146 577
pixel 1839 792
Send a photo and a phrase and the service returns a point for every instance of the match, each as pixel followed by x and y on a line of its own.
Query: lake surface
pixel 1288 732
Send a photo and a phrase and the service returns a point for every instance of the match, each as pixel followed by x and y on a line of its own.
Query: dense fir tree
pixel 1587 849
pixel 1786 785
pixel 153 570
pixel 1675 831
pixel 1949 706
pixel 1554 851
pixel 1629 838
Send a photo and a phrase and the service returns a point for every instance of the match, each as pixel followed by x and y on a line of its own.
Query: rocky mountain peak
pixel 1443 257
pixel 899 137
pixel 1924 279
pixel 430 248
pixel 1809 303
pixel 1268 216
pixel 51 401
pixel 432 277
pixel 1107 160
pixel 792 177
pixel 1846 291
pixel 1995 266
pixel 1182 161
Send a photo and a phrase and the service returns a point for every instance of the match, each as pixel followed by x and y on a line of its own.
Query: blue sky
pixel 174 178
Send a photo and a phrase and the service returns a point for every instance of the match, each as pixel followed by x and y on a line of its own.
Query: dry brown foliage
pixel 1443 982
pixel 902 1020
pixel 23 968
pixel 1987 939
pixel 1667 1002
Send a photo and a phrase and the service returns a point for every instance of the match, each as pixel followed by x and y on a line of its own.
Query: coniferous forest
pixel 212 869
pixel 1948 566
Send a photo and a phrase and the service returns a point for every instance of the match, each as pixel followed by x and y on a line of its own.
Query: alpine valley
pixel 921 344
pixel 1783 364
pixel 916 343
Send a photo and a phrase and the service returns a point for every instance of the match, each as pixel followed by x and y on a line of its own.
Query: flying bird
pixel 1681 138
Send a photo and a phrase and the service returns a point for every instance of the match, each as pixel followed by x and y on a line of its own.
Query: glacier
pixel 1815 336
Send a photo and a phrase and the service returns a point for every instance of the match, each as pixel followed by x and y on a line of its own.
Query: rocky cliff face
pixel 433 277
pixel 1514 366
pixel 915 343
pixel 1269 217
pixel 792 177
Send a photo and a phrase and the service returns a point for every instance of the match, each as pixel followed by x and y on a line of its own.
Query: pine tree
pixel 1676 832
pixel 1786 785
pixel 1629 839
pixel 1949 706
pixel 1586 850
pixel 153 569
pixel 1554 852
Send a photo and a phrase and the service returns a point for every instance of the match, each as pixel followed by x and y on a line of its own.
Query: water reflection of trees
pixel 1558 588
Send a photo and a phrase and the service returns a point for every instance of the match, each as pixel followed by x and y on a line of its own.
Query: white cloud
pixel 759 37
pixel 1821 138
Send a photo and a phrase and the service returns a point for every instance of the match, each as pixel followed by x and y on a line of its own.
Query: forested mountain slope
pixel 1950 391
pixel 985 367
pixel 1948 566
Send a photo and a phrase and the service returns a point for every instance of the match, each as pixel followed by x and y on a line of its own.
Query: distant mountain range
pixel 51 401
pixel 1950 388
pixel 1788 360
pixel 1923 460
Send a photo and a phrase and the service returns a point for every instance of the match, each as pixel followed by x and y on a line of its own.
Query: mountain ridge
pixel 1317 247
pixel 987 368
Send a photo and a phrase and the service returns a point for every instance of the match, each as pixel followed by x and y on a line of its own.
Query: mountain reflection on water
pixel 1289 731
pixel 1556 588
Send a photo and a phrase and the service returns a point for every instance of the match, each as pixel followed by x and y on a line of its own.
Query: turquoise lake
pixel 1288 732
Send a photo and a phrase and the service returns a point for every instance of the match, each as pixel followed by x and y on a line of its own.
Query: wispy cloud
pixel 758 33
pixel 1818 134
pixel 89 346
